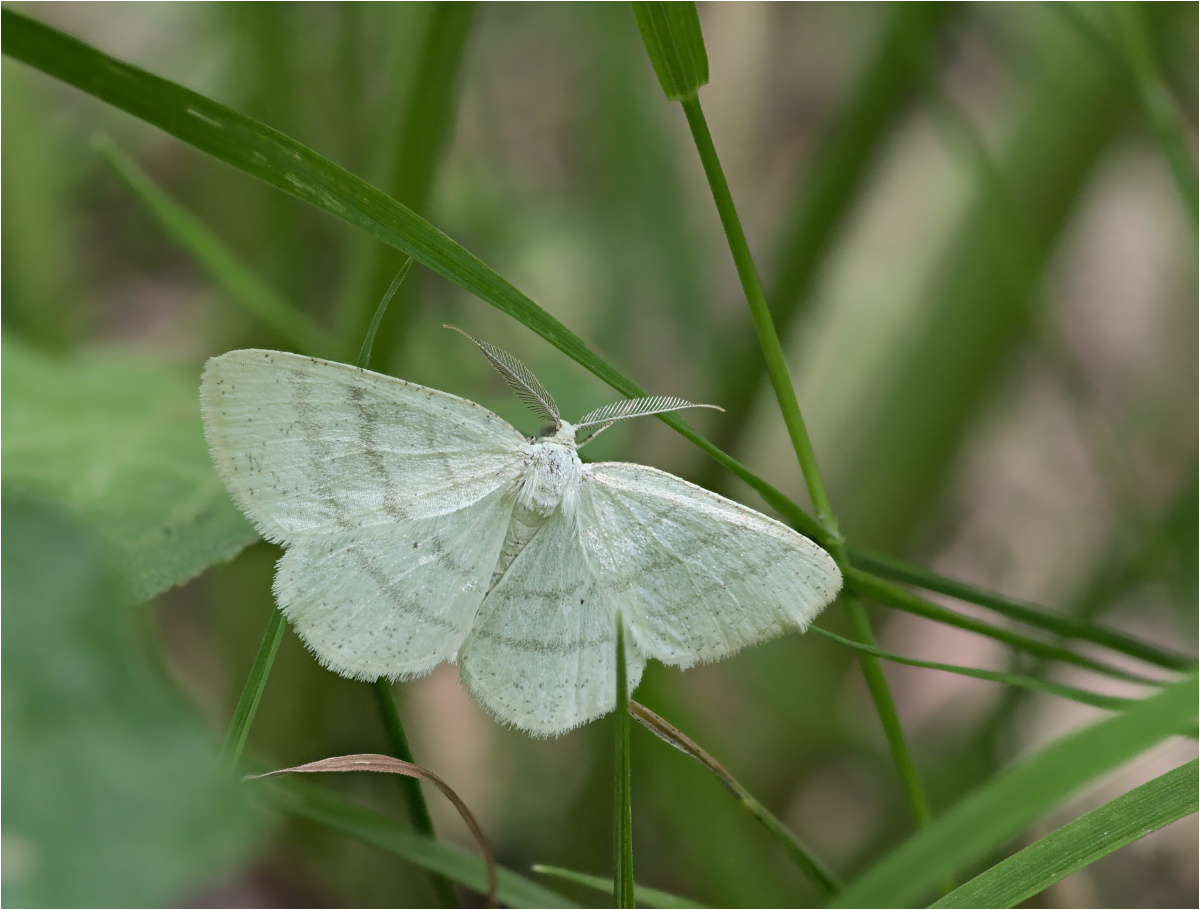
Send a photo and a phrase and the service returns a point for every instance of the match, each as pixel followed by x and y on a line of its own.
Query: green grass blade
pixel 871 588
pixel 623 895
pixel 364 353
pixel 1019 795
pixel 274 158
pixel 252 691
pixel 414 796
pixel 651 897
pixel 675 45
pixel 1127 818
pixel 889 717
pixel 805 859
pixel 1083 696
pixel 418 138
pixel 244 287
pixel 833 180
pixel 326 808
pixel 1040 617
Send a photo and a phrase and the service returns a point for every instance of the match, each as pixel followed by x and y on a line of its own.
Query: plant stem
pixel 764 326
pixel 418 811
pixel 806 861
pixel 777 370
pixel 623 822
pixel 247 706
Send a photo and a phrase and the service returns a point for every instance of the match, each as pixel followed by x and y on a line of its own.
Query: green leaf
pixel 117 438
pixel 997 811
pixel 325 807
pixel 675 44
pixel 651 897
pixel 1127 818
pixel 114 795
pixel 282 162
pixel 1107 702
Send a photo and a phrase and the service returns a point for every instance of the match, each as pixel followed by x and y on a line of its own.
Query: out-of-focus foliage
pixel 117 438
pixel 982 273
pixel 113 792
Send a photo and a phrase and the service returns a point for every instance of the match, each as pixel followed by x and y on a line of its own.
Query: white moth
pixel 422 528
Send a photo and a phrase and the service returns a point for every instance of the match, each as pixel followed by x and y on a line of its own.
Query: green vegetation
pixel 937 262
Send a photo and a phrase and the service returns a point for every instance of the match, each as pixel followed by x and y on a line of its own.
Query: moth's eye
pixel 548 430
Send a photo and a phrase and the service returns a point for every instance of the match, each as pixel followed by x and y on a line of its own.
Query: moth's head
pixel 563 433
pixel 537 399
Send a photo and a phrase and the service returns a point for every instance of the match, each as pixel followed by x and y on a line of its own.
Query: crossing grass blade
pixel 1083 696
pixel 1040 617
pixel 997 811
pixel 276 159
pixel 1127 818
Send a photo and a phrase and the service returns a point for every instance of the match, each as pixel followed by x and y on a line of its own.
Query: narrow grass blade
pixel 871 588
pixel 675 45
pixel 244 287
pixel 364 353
pixel 651 897
pixel 1040 617
pixel 1019 795
pixel 889 717
pixel 1127 818
pixel 623 895
pixel 1107 702
pixel 256 682
pixel 415 144
pixel 1140 812
pixel 418 809
pixel 832 180
pixel 812 867
pixel 370 827
pixel 274 158
pixel 386 764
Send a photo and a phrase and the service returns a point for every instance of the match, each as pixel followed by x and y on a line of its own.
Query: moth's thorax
pixel 552 469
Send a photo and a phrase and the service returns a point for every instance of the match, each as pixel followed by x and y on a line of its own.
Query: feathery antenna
pixel 531 392
pixel 605 417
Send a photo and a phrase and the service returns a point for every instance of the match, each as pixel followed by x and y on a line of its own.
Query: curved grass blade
pixel 816 870
pixel 1141 811
pixel 364 353
pixel 370 827
pixel 651 897
pixel 872 588
pixel 274 158
pixel 1083 696
pixel 1040 617
pixel 386 764
pixel 997 811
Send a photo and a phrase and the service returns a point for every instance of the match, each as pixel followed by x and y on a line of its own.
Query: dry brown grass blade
pixel 369 761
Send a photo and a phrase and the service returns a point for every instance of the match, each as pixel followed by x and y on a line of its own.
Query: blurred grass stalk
pixel 418 136
pixel 831 183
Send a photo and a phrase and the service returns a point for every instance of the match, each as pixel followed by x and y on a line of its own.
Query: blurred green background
pixel 980 265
